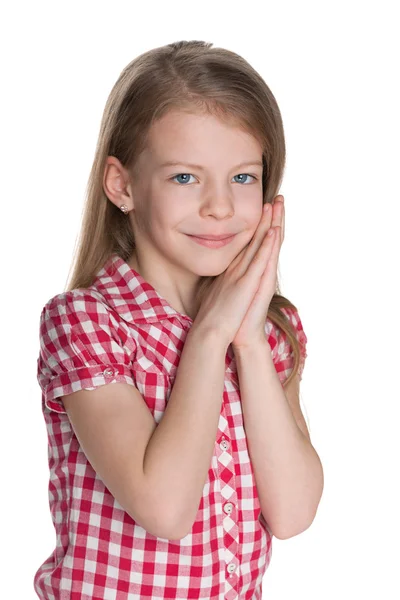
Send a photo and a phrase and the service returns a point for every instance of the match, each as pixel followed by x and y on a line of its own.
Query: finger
pixel 267 246
pixel 277 212
pixel 282 224
pixel 276 248
pixel 257 264
pixel 268 278
pixel 264 225
pixel 244 258
pixel 279 216
pixel 271 265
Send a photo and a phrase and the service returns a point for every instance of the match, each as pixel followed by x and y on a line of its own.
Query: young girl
pixel 170 367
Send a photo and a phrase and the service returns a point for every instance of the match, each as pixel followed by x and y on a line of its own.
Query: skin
pixel 266 244
pixel 167 202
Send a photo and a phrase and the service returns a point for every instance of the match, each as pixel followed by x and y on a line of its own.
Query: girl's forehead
pixel 182 130
pixel 175 117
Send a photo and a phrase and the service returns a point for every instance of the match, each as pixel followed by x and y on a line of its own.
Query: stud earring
pixel 124 209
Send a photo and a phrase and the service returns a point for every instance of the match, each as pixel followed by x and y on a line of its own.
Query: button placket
pixel 224 445
pixel 108 372
pixel 228 508
pixel 226 474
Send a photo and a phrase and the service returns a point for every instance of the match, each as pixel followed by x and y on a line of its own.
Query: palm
pixel 253 324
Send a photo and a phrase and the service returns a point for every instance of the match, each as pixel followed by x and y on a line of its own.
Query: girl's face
pixel 208 192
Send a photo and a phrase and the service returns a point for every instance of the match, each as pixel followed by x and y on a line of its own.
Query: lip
pixel 216 242
pixel 223 236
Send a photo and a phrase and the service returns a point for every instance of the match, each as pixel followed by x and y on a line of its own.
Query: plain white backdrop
pixel 334 70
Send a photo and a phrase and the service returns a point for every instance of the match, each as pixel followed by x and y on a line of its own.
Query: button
pixel 224 445
pixel 228 508
pixel 231 567
pixel 108 372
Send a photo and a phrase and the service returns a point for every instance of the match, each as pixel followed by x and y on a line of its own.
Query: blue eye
pixel 246 175
pixel 190 175
pixel 180 174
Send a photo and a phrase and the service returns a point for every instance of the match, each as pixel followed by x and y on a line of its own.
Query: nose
pixel 217 202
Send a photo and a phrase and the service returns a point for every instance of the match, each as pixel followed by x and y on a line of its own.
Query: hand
pixel 246 283
pixel 253 324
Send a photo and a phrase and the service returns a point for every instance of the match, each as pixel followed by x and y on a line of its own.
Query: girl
pixel 170 367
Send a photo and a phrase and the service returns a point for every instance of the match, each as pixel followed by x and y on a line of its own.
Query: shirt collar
pixel 133 298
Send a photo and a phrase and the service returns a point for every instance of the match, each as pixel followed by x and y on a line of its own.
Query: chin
pixel 209 271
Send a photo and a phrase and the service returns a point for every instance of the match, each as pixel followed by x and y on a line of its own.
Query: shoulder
pixel 81 346
pixel 293 316
pixel 82 315
pixel 79 308
pixel 282 350
pixel 279 341
pixel 82 300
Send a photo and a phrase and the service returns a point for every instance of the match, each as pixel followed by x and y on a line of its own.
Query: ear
pixel 116 183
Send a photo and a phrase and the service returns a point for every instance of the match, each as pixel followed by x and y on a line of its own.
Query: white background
pixel 334 70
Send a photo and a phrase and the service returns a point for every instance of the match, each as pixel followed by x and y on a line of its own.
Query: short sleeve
pixel 282 351
pixel 81 347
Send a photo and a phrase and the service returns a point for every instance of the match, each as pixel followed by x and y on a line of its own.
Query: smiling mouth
pixel 212 243
pixel 213 237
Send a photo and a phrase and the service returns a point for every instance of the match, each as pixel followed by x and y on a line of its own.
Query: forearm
pixel 179 453
pixel 287 469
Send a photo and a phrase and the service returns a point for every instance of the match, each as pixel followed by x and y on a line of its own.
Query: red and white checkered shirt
pixel 121 330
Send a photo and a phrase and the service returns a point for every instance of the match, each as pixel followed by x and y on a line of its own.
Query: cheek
pixel 174 214
pixel 168 217
pixel 165 224
pixel 253 222
pixel 251 228
pixel 143 220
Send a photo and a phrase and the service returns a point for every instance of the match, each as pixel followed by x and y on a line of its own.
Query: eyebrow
pixel 174 163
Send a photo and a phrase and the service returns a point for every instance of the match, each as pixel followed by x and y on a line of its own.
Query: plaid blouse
pixel 121 330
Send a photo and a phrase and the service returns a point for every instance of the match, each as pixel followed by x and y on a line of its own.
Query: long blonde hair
pixel 190 76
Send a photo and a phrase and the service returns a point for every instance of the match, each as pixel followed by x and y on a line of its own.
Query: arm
pixel 156 472
pixel 287 469
pixel 179 453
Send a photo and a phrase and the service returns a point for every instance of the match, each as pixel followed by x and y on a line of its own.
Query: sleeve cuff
pixel 84 378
